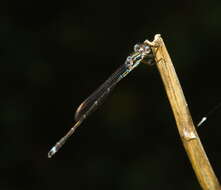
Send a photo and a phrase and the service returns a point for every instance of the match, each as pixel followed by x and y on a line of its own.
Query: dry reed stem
pixel 188 134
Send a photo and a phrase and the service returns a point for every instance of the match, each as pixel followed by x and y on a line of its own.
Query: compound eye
pixel 147 49
pixel 137 47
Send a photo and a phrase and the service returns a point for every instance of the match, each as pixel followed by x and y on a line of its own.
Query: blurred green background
pixel 54 54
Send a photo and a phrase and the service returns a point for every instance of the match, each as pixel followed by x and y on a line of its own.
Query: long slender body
pixel 211 112
pixel 97 97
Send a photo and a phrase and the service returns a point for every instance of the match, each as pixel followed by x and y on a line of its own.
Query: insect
pixel 142 53
pixel 212 111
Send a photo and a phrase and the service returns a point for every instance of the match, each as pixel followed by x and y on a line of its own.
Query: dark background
pixel 54 54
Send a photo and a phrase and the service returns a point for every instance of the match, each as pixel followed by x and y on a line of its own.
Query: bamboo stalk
pixel 188 134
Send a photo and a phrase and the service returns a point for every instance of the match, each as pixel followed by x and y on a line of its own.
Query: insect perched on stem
pixel 142 52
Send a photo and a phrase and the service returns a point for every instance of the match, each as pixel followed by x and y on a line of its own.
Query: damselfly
pixel 212 111
pixel 142 52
